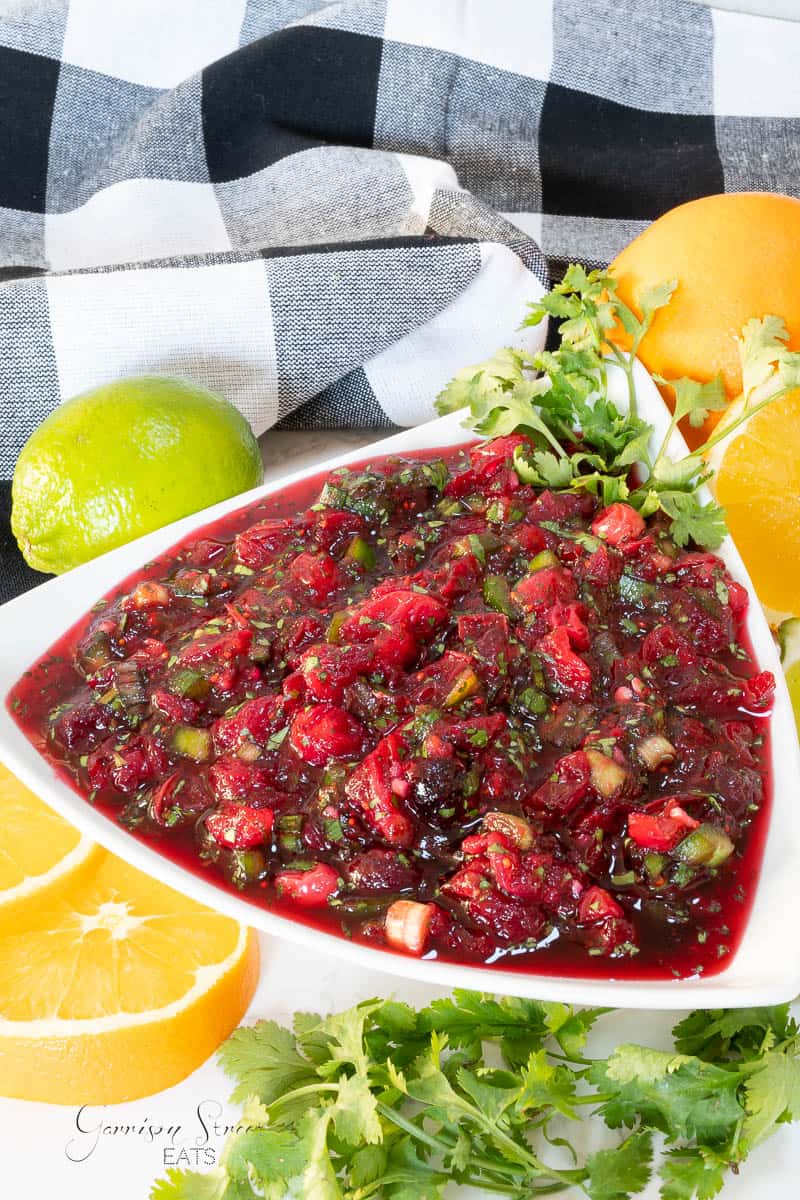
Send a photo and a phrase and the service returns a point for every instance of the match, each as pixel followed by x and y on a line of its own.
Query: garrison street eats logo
pixel 190 1144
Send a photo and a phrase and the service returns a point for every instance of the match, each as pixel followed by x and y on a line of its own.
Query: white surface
pixel 76 1165
pixel 135 220
pixel 142 321
pixel 748 80
pixel 151 42
pixel 763 971
pixel 515 35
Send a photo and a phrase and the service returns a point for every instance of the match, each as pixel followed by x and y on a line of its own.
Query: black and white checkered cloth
pixel 321 210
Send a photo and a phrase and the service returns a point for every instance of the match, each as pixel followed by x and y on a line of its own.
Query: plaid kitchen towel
pixel 321 210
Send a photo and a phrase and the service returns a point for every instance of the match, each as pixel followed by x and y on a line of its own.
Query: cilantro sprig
pixel 385 1102
pixel 581 439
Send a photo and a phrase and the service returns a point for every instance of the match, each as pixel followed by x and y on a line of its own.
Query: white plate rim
pixel 765 970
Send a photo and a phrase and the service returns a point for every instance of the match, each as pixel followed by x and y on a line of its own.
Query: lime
pixel 124 459
pixel 789 638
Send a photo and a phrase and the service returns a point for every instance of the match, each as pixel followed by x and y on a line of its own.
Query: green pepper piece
pixel 497 595
pixel 337 621
pixel 465 685
pixel 360 551
pixel 189 683
pixel 247 866
pixel 545 558
pixel 654 865
pixel 706 846
pixel 192 742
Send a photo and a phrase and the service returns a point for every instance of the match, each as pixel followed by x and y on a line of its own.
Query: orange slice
pixel 758 483
pixel 38 849
pixel 114 987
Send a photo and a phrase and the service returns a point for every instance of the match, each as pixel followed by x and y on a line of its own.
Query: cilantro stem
pixel 749 411
pixel 625 361
pixel 551 439
pixel 443 1146
pixel 308 1090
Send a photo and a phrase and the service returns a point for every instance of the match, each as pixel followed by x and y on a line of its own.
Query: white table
pixel 115 1153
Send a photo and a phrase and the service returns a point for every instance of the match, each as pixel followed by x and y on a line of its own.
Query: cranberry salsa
pixel 439 711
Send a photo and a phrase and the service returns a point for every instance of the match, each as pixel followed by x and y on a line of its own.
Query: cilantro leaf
pixel 401 1102
pixel 717 1033
pixel 695 400
pixel 622 1172
pixel 409 1177
pixel 545 1085
pixel 485 381
pixel 355 1112
pixel 276 1155
pixel 318 1181
pixel 772 1096
pixel 367 1165
pixel 265 1060
pixel 686 473
pixel 683 1097
pixel 190 1185
pixel 760 348
pixel 543 468
pixel 471 1017
pixel 691 1174
pixel 570 1026
pixel 694 521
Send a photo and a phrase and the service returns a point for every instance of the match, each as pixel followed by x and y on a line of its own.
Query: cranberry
pixel 82 726
pixel 570 673
pixel 567 785
pixel 660 832
pixel 759 691
pixel 663 645
pixel 370 789
pixel 544 588
pixel 220 649
pixel 178 799
pixel 413 612
pixel 254 722
pixel 571 617
pixel 235 779
pixel 602 567
pixel 314 575
pixel 328 670
pixel 488 457
pixel 325 732
pixel 257 546
pixel 334 527
pixel 125 766
pixel 509 920
pixel 309 889
pixel 610 934
pixel 382 871
pixel 240 826
pixel 596 904
pixel 618 524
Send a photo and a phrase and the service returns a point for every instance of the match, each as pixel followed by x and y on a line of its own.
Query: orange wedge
pixel 38 849
pixel 758 483
pixel 113 986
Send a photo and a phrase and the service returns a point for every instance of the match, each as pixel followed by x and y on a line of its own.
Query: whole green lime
pixel 124 459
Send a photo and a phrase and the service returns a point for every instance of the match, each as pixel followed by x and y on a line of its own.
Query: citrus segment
pixel 116 987
pixel 758 484
pixel 735 256
pixel 38 849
